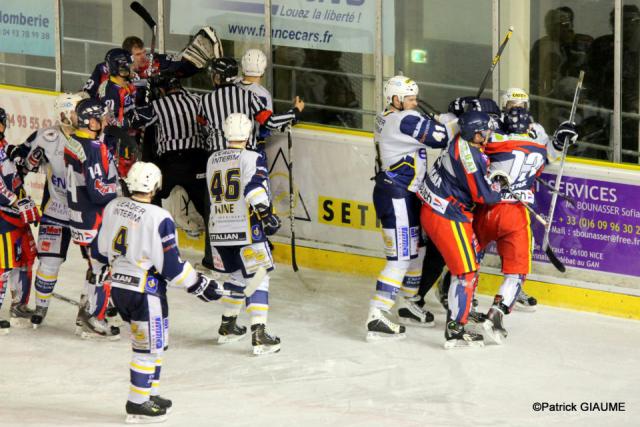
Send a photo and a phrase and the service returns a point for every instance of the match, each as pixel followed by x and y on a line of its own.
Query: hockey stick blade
pixel 66 299
pixel 143 13
pixel 255 281
pixel 554 260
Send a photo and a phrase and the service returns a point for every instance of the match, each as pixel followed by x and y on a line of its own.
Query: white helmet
pixel 399 86
pixel 254 62
pixel 515 97
pixel 65 104
pixel 144 177
pixel 237 127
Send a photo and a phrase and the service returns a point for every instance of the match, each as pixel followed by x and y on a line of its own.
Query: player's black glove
pixel 566 132
pixel 270 221
pixel 461 104
pixel 206 289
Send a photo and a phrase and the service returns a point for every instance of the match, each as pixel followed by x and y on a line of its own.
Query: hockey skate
pixel 262 342
pixel 494 329
pixel 229 330
pixel 410 313
pixel 38 316
pixel 162 402
pixel 525 302
pixel 20 315
pixel 379 327
pixel 145 413
pixel 474 315
pixel 94 329
pixel 5 327
pixel 457 337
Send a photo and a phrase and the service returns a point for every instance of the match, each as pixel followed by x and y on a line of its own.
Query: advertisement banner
pixel 601 233
pixel 27 27
pixel 343 26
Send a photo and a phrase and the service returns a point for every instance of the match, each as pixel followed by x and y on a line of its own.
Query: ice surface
pixel 326 374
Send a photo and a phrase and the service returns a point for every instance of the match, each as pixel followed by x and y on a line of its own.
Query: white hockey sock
pixel 155 383
pixel 46 278
pixel 258 303
pixel 510 288
pixel 142 369
pixel 389 283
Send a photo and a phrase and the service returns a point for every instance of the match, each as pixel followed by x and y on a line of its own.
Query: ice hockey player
pixel 241 219
pixel 140 243
pixel 17 246
pixel 401 136
pixel 457 182
pixel 44 148
pixel 508 223
pixel 91 183
pixel 254 63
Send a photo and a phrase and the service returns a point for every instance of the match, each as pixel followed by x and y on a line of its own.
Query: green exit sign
pixel 419 56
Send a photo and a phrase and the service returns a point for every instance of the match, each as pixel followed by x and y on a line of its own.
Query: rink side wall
pixel 336 227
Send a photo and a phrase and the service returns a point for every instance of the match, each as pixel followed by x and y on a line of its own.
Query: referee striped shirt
pixel 177 128
pixel 229 98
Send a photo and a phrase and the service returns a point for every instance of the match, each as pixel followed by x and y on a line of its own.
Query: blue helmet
pixel 517 120
pixel 119 62
pixel 88 109
pixel 473 122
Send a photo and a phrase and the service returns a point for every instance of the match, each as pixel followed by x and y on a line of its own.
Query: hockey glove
pixel 29 212
pixel 499 180
pixel 566 132
pixel 34 159
pixel 270 221
pixel 204 47
pixel 461 104
pixel 206 289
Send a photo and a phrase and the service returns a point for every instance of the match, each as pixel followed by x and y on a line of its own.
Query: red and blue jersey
pixel 91 184
pixel 458 181
pixel 522 158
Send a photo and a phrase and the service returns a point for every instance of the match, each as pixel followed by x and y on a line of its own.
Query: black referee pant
pixel 187 168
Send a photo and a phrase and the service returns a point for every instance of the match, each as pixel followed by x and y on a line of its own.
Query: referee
pixel 179 142
pixel 228 98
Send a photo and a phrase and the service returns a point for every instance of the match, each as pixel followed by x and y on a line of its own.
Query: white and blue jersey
pixel 139 241
pixel 401 139
pixel 265 97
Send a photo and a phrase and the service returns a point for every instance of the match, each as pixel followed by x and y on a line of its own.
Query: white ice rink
pixel 326 374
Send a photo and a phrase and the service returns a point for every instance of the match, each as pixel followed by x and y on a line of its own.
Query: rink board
pixel 336 227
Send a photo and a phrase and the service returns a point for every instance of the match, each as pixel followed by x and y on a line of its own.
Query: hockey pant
pixel 17 255
pixel 95 291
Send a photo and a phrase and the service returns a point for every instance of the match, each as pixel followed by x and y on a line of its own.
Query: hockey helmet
pixel 119 62
pixel 399 86
pixel 515 97
pixel 237 127
pixel 65 104
pixel 473 122
pixel 517 120
pixel 144 177
pixel 88 109
pixel 226 68
pixel 254 62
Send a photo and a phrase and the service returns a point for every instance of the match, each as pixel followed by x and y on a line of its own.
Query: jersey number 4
pixel 229 190
pixel 120 241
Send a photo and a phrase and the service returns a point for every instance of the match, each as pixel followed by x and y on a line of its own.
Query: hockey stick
pixel 494 62
pixel 550 254
pixel 66 299
pixel 146 17
pixel 292 198
pixel 556 188
pixel 424 106
pixel 549 187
